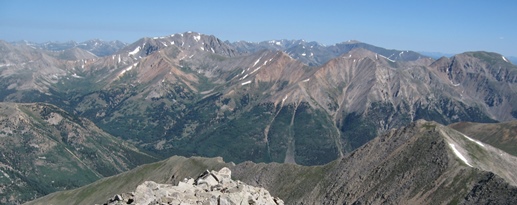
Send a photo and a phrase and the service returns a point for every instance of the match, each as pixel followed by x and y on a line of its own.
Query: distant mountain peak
pixel 188 41
pixel 352 41
pixel 96 46
pixel 314 54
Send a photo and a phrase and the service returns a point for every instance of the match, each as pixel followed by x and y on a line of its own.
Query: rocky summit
pixel 210 188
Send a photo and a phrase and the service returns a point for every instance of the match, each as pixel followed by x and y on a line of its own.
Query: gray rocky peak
pixel 210 188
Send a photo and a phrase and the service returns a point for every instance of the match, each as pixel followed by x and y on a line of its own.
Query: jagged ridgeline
pixel 423 163
pixel 192 94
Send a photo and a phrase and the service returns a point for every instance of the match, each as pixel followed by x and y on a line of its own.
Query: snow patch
pixel 304 54
pixel 458 154
pixel 164 44
pixel 285 98
pixel 247 82
pixel 505 59
pixel 197 38
pixel 212 49
pixel 254 64
pixel 76 76
pixel 473 140
pixel 202 48
pixel 5 175
pixel 306 80
pixel 455 85
pixel 5 65
pixel 118 58
pixel 256 69
pixel 278 43
pixel 387 58
pixel 244 77
pixel 127 69
pixel 137 49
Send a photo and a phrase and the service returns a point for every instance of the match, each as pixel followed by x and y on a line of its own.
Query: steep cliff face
pixel 423 163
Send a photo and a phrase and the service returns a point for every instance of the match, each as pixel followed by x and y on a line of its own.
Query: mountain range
pixel 287 101
pixel 95 46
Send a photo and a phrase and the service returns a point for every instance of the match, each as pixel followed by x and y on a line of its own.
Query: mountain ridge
pixel 413 164
pixel 241 46
pixel 45 149
pixel 96 46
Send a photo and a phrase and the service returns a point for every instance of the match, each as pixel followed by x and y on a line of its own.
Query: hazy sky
pixel 452 26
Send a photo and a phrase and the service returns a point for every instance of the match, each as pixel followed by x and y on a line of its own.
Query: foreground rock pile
pixel 210 188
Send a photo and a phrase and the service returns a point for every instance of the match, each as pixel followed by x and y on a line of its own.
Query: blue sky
pixel 452 26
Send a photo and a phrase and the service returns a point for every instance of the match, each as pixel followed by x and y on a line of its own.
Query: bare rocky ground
pixel 210 188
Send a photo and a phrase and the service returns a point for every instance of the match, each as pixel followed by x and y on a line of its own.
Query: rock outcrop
pixel 210 188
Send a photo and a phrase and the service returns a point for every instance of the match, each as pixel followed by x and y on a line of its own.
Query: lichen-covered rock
pixel 210 188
